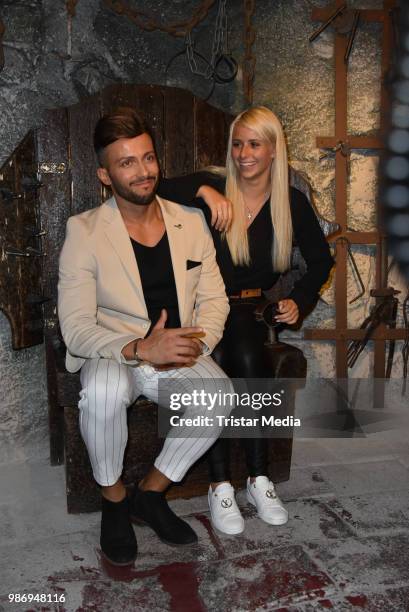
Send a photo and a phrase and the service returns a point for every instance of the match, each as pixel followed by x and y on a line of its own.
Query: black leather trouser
pixel 241 354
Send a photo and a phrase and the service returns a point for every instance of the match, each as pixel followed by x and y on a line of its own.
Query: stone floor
pixel 345 547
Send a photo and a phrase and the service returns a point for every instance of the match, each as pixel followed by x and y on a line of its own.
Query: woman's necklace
pixel 251 213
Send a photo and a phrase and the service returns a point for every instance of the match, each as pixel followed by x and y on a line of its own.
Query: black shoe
pixel 118 541
pixel 151 507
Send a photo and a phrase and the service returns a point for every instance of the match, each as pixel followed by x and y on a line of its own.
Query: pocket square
pixel 192 264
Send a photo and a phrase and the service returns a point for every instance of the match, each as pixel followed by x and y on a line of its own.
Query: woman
pixel 252 251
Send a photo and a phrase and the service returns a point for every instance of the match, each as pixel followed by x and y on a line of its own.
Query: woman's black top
pixel 158 280
pixel 259 274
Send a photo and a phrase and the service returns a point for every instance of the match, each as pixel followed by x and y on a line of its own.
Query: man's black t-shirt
pixel 158 280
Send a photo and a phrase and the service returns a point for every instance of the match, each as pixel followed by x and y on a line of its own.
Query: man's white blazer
pixel 101 305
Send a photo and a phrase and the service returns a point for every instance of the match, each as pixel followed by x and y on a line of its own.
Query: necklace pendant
pixel 249 216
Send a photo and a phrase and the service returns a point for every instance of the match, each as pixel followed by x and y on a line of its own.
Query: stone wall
pixel 293 77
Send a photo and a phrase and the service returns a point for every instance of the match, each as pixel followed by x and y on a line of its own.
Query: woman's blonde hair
pixel 267 126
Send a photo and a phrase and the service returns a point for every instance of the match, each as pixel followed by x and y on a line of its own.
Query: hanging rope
pixel 147 23
pixel 249 64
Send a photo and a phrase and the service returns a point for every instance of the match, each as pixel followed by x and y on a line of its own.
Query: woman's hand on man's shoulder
pixel 220 207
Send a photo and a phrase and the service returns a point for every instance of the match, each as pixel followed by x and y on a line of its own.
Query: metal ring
pixel 183 52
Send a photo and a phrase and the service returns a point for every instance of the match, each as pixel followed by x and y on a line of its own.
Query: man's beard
pixel 133 197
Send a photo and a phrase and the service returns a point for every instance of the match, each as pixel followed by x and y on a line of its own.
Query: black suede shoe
pixel 118 541
pixel 151 508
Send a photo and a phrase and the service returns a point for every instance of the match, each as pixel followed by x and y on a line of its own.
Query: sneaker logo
pixel 226 503
pixel 271 494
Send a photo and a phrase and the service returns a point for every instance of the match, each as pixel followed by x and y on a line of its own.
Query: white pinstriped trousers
pixel 108 388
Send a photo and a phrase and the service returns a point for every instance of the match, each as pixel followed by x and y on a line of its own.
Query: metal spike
pixel 15 252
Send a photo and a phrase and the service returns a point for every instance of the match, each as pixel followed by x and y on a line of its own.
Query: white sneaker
pixel 270 508
pixel 224 511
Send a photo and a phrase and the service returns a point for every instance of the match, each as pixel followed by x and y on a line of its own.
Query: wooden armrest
pixel 262 314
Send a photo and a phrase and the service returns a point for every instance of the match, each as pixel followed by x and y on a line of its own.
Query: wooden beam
pixel 341 180
pixel 370 15
pixel 353 142
pixel 356 237
pixel 382 254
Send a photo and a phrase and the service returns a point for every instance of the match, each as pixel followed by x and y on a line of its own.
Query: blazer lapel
pixel 175 229
pixel 118 236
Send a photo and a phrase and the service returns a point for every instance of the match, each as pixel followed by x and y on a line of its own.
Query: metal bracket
pixel 15 252
pixel 338 11
pixel 28 252
pixel 52 167
pixel 34 232
pixel 9 196
pixel 32 252
pixel 341 145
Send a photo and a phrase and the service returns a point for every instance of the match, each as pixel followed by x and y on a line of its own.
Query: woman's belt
pixel 245 293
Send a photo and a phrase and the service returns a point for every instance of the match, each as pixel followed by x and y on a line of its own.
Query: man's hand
pixel 289 312
pixel 220 207
pixel 170 347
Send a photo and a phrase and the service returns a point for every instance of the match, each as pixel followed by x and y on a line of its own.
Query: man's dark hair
pixel 123 122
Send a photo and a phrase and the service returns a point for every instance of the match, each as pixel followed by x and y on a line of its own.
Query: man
pixel 138 286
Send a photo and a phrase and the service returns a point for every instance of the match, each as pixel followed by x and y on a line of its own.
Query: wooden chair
pixel 189 134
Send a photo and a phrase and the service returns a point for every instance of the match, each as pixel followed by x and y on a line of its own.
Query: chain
pixel 190 54
pixel 2 30
pixel 249 63
pixel 147 23
pixel 220 32
pixel 219 38
pixel 178 29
